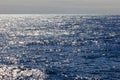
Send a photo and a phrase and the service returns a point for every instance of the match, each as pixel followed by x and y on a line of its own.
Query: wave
pixel 11 72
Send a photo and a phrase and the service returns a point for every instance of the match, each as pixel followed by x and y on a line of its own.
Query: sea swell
pixel 59 47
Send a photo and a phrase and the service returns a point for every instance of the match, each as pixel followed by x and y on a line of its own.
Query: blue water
pixel 61 47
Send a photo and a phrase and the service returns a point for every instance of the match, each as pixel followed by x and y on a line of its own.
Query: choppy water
pixel 60 47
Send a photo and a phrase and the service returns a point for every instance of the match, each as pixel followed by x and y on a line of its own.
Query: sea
pixel 59 47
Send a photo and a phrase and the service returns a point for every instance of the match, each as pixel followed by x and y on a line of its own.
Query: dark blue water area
pixel 64 47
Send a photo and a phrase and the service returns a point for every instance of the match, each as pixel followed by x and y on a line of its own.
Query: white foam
pixel 15 72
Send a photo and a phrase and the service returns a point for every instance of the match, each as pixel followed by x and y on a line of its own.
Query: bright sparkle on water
pixel 59 47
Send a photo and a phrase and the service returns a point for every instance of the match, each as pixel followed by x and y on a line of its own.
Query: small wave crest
pixel 20 73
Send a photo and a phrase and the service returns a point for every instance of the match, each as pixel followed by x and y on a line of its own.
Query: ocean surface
pixel 59 47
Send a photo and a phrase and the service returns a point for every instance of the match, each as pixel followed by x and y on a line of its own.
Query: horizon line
pixel 54 14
